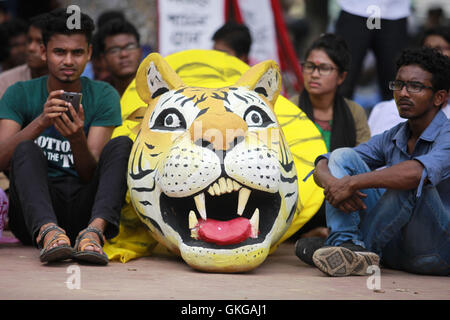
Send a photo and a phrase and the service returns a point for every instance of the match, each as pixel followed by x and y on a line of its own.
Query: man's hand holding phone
pixel 53 108
pixel 70 123
pixel 74 99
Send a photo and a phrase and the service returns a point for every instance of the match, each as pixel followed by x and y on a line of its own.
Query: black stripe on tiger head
pixel 151 221
pixel 262 91
pixel 159 92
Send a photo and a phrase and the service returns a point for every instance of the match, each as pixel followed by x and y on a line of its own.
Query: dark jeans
pixel 386 43
pixel 36 199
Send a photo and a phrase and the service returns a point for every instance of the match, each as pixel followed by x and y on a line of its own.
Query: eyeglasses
pixel 441 49
pixel 324 68
pixel 115 51
pixel 411 86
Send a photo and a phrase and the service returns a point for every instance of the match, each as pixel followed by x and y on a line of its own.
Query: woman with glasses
pixel 341 122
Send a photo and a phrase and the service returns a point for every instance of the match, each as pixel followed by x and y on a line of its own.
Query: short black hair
pixel 235 35
pixel 109 15
pixel 10 29
pixel 57 24
pixel 335 47
pixel 39 21
pixel 112 28
pixel 442 31
pixel 430 60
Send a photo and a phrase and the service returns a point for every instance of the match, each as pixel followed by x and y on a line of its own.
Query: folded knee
pixel 341 154
pixel 122 141
pixel 25 147
pixel 117 148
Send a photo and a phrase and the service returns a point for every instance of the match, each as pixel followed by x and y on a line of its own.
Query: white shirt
pixel 384 116
pixel 385 9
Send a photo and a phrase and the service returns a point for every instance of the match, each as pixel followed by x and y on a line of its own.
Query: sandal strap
pixel 47 230
pixel 57 237
pixel 87 241
pixel 83 235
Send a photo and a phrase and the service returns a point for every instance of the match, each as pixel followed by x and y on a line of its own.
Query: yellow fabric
pixel 305 143
pixel 133 240
pixel 304 140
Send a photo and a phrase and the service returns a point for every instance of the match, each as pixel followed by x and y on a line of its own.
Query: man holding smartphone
pixel 68 179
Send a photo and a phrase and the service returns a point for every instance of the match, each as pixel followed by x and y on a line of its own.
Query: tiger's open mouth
pixel 224 215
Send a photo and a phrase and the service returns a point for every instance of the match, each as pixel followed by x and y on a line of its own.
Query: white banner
pixel 258 16
pixel 188 24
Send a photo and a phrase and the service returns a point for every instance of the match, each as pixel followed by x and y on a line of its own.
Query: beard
pixel 66 80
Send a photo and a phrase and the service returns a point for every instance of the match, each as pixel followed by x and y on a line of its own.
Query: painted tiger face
pixel 210 173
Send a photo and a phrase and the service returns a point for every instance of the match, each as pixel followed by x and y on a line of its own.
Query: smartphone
pixel 74 98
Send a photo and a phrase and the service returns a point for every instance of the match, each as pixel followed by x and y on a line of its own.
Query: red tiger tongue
pixel 224 232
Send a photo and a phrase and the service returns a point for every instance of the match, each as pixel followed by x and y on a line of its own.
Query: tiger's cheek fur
pixel 254 163
pixel 187 168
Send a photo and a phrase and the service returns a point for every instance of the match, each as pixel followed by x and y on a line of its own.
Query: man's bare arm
pixel 11 133
pixel 345 193
pixel 402 176
pixel 322 174
pixel 86 151
pixel 10 136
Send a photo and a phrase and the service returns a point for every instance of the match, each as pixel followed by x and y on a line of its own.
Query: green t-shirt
pixel 24 101
pixel 326 134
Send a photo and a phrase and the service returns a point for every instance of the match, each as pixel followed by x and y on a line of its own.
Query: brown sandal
pixel 84 240
pixel 58 253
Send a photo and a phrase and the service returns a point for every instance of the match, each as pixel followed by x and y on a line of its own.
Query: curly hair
pixel 430 60
pixel 335 47
pixel 57 24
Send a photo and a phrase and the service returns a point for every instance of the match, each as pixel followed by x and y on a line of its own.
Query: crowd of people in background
pixel 42 61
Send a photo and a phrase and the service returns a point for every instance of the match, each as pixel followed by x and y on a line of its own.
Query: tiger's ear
pixel 154 77
pixel 263 78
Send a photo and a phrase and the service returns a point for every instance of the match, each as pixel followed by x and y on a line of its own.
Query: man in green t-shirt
pixel 67 178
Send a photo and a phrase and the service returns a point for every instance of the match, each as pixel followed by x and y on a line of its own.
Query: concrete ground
pixel 281 277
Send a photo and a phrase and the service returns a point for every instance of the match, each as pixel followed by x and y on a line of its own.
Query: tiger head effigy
pixel 210 172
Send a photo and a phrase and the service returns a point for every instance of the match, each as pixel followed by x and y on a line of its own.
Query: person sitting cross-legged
pixel 400 213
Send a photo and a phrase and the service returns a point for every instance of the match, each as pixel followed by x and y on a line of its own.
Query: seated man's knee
pixel 342 154
pixel 25 147
pixel 118 146
pixel 121 142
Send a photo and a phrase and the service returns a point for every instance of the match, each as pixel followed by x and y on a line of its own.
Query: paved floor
pixel 281 277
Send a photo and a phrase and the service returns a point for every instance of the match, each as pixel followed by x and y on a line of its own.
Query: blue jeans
pixel 409 233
